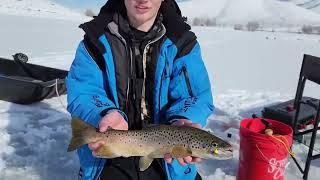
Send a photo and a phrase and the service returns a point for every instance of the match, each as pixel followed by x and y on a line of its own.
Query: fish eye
pixel 215 145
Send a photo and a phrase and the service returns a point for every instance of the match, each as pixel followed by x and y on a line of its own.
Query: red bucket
pixel 262 156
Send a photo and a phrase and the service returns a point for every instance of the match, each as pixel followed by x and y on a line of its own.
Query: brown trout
pixel 150 143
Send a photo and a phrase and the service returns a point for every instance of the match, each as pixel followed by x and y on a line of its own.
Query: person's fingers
pixel 109 120
pixel 94 153
pixel 168 158
pixel 96 148
pixel 96 145
pixel 196 125
pixel 181 162
pixel 178 123
pixel 90 147
pixel 186 121
pixel 182 122
pixel 196 160
pixel 113 120
pixel 167 155
pixel 121 125
pixel 93 146
pixel 105 124
pixel 104 128
pixel 188 160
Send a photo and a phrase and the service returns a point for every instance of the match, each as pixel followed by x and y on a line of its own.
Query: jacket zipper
pixel 144 63
pixel 130 76
pixel 187 80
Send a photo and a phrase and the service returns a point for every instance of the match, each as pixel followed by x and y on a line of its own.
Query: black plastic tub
pixel 24 83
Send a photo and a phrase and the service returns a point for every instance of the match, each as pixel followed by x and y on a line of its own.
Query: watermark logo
pixel 277 167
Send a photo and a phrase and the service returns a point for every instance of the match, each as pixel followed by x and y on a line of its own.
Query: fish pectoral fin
pixel 180 151
pixel 145 162
pixel 106 152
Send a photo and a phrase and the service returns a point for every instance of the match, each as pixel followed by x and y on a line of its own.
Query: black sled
pixel 24 83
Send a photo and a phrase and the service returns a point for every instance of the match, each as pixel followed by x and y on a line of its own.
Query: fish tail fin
pixel 80 131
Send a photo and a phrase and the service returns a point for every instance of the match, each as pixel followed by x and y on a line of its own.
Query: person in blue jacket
pixel 138 64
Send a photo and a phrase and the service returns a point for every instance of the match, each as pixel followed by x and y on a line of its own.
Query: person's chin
pixel 142 18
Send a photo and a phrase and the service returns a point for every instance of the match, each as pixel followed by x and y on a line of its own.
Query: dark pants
pixel 128 169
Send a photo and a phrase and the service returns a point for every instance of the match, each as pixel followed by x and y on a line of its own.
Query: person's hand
pixel 189 159
pixel 112 120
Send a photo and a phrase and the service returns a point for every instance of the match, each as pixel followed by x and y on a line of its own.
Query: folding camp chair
pixel 310 70
pixel 301 111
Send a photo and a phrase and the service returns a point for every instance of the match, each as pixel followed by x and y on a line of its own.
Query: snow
pixel 39 38
pixel 38 8
pixel 269 13
pixel 33 140
pixel 248 70
pixel 264 61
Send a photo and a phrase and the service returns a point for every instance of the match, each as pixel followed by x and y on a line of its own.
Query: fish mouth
pixel 224 154
pixel 227 154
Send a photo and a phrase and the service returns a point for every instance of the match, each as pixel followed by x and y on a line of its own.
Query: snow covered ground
pixel 248 70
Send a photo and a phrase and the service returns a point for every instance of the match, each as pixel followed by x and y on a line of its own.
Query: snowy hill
pixel 268 13
pixel 38 8
pixel 313 5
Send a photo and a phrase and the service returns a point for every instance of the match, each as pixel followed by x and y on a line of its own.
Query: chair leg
pixel 309 158
pixel 311 147
pixel 297 103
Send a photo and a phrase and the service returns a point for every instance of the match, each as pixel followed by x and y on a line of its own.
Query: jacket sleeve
pixel 86 89
pixel 190 90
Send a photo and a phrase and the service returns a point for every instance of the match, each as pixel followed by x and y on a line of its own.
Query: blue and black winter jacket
pixel 99 80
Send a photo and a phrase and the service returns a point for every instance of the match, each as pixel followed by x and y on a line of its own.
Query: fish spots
pixel 205 145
